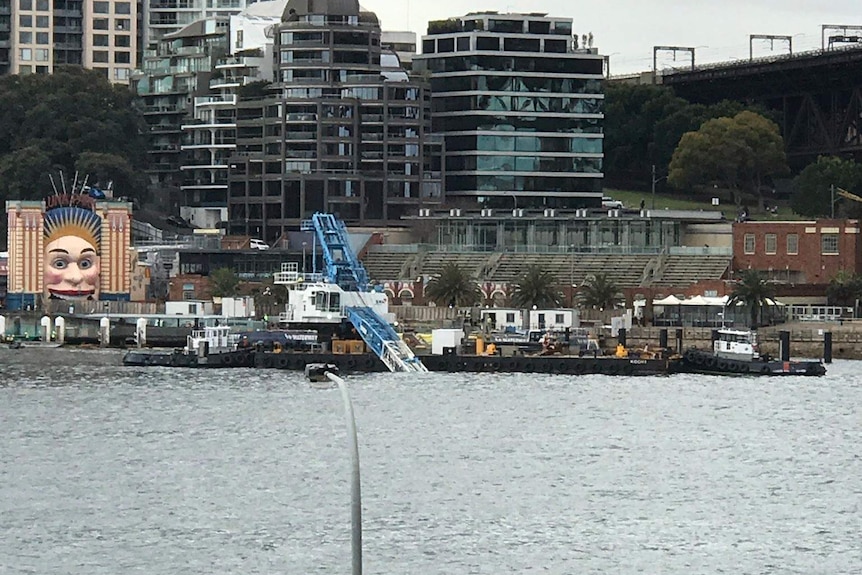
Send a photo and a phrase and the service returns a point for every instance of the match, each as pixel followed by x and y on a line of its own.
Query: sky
pixel 627 30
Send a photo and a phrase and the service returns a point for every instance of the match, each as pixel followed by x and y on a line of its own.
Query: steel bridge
pixel 817 95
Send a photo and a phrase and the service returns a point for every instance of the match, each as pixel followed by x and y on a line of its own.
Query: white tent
pixel 669 300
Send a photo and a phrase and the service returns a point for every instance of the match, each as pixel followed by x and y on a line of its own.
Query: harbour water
pixel 106 469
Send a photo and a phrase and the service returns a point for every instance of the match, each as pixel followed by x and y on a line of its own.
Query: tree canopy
pixel 599 292
pixel 453 286
pixel 812 196
pixel 536 287
pixel 223 282
pixel 739 153
pixel 753 291
pixel 73 119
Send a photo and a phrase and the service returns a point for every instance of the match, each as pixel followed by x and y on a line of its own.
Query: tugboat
pixel 735 352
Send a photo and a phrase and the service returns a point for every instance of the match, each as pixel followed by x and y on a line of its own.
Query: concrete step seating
pixel 384 266
pixel 683 270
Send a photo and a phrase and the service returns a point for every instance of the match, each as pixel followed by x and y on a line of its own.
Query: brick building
pixel 804 252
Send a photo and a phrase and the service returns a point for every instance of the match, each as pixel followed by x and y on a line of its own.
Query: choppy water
pixel 106 470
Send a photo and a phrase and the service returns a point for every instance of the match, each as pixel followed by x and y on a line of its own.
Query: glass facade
pixel 520 109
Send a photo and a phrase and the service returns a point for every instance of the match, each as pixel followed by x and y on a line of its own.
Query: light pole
pixel 654 182
pixel 572 272
pixel 303 257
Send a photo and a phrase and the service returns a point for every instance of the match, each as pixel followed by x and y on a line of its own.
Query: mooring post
pixel 827 347
pixel 679 341
pixel 784 345
pixel 662 338
pixel 621 336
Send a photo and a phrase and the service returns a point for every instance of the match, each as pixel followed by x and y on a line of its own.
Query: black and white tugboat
pixel 734 352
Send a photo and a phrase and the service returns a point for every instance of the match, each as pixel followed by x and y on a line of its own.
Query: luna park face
pixel 71 269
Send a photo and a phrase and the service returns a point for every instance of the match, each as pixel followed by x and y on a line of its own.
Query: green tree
pixel 536 287
pixel 753 291
pixel 739 153
pixel 844 289
pixel 812 196
pixel 61 116
pixel 453 287
pixel 223 282
pixel 599 292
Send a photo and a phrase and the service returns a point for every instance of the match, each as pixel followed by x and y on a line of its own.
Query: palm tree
pixel 754 292
pixel 536 287
pixel 599 292
pixel 453 287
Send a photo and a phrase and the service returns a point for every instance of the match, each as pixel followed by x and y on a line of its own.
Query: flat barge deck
pixel 369 363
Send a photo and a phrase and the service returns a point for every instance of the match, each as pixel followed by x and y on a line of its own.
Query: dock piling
pixel 784 345
pixel 662 338
pixel 679 341
pixel 827 347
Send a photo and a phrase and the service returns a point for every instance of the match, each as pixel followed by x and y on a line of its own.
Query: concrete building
pixel 37 35
pixel 164 17
pixel 520 108
pixel 337 132
pixel 402 43
pixel 209 137
pixel 177 71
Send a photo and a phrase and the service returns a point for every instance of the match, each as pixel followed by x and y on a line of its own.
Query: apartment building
pixel 164 17
pixel 338 132
pixel 41 34
pixel 520 107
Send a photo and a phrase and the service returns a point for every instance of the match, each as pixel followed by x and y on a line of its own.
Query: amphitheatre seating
pixel 473 263
pixel 385 266
pixel 681 270
pixel 625 270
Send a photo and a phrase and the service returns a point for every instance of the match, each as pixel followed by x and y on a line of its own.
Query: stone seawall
pixel 806 338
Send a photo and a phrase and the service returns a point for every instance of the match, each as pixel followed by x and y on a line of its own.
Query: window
pixel 122 8
pixel 25 37
pixel 558 319
pixel 43 21
pixel 122 58
pixel 42 5
pixel 41 54
pixel 100 56
pixel 771 242
pixel 510 317
pixel 25 4
pixel 100 40
pixel 122 41
pixel 792 244
pixel 829 244
pixel 100 23
pixel 101 7
pixel 25 21
pixel 122 24
pixel 41 69
pixel 121 73
pixel 748 244
pixel 24 70
pixel 102 71
pixel 42 38
pixel 239 34
pixel 25 54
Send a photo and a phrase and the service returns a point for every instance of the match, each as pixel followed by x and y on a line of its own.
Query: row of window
pixel 120 40
pixel 457 163
pixel 539 83
pixel 41 5
pixel 42 38
pixel 102 56
pixel 516 63
pixel 492 43
pixel 828 244
pixel 519 104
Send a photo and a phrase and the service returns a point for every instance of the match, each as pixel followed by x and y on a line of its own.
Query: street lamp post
pixel 572 273
pixel 654 182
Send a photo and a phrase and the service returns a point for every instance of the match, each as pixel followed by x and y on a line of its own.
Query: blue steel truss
pixel 342 266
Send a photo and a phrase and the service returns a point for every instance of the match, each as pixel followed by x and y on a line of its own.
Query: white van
pixel 256 244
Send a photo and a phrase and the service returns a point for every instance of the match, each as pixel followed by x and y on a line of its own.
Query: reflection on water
pixel 106 469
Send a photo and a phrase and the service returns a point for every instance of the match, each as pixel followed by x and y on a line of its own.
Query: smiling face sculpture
pixel 72 242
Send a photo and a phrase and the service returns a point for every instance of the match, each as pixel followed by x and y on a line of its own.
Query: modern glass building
pixel 520 108
pixel 341 130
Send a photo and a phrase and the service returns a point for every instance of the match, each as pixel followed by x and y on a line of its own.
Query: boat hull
pixel 369 363
pixel 704 362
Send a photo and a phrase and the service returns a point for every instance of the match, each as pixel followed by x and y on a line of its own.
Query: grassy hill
pixel 679 202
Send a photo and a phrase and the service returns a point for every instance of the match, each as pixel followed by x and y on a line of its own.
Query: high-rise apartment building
pixel 41 34
pixel 520 108
pixel 338 133
pixel 167 16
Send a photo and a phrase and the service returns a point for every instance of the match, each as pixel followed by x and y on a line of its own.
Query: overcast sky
pixel 627 30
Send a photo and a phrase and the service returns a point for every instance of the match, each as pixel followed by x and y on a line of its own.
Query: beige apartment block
pixel 97 34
